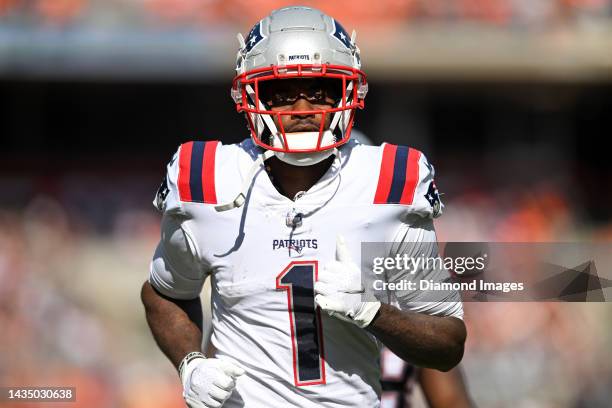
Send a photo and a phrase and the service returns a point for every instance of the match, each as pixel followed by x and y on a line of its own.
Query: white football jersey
pixel 264 258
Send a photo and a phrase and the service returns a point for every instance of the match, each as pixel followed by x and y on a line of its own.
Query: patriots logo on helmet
pixel 254 37
pixel 341 34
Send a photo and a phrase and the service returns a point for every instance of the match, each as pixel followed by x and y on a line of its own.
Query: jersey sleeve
pixel 427 202
pixel 407 178
pixel 417 240
pixel 167 199
pixel 176 269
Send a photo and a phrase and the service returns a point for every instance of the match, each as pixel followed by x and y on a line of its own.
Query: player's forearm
pixel 176 325
pixel 443 390
pixel 423 340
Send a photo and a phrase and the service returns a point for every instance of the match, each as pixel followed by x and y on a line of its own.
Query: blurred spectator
pixel 198 13
pixel 365 15
pixel 7 5
pixel 59 12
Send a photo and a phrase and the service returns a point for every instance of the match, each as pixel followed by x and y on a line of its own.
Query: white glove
pixel 207 382
pixel 338 290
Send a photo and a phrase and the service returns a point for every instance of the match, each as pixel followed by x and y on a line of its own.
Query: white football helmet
pixel 299 42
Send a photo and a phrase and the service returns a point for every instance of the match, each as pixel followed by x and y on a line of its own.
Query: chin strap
pixel 241 197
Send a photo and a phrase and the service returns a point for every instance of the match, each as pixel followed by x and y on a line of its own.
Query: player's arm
pixel 173 308
pixel 174 313
pixel 443 390
pixel 421 339
pixel 167 317
pixel 426 329
pixel 171 295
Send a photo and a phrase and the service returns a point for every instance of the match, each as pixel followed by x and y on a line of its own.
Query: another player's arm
pixel 176 324
pixel 445 389
pixel 421 339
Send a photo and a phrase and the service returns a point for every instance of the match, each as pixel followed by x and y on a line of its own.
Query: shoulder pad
pixel 406 177
pixel 190 177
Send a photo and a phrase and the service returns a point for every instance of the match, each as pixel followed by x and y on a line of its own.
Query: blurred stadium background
pixel 510 99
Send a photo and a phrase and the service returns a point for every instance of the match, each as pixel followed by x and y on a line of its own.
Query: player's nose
pixel 302 104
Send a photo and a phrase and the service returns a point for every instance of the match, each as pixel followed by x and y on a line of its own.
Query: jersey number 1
pixel 298 280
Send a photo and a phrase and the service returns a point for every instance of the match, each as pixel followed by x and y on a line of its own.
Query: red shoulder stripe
pixel 185 171
pixel 385 176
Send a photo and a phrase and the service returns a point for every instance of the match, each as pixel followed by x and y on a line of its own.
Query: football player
pixel 277 221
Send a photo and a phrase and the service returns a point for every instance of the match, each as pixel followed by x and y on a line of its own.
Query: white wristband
pixel 188 359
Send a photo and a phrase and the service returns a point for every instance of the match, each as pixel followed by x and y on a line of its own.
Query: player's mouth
pixel 302 127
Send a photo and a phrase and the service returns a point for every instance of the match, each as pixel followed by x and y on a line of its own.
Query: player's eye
pixel 286 92
pixel 281 99
pixel 315 96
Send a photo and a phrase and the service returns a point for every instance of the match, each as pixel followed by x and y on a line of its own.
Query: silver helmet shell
pixel 298 42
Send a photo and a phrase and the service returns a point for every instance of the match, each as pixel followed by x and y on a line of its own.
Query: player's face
pixel 303 94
